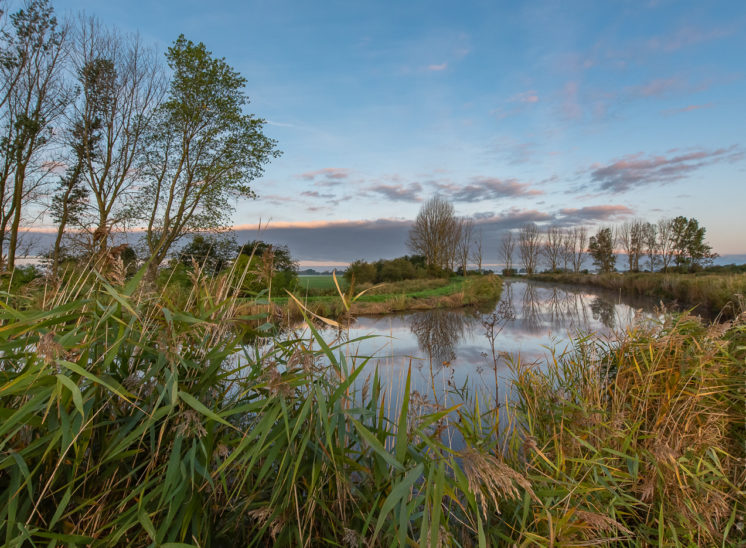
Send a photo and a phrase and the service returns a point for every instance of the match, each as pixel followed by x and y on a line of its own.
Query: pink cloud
pixel 525 97
pixel 440 67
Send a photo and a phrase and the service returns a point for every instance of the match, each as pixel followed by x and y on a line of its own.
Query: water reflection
pixel 603 311
pixel 439 331
pixel 452 348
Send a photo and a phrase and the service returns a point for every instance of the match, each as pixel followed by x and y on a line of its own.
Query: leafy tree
pixel 211 254
pixel 33 95
pixel 361 272
pixel 269 267
pixel 689 247
pixel 202 151
pixel 601 248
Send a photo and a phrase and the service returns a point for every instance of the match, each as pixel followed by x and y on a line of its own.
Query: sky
pixel 552 112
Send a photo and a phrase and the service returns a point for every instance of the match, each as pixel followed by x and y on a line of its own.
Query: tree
pixel 689 247
pixel 552 248
pixel 507 246
pixel 601 248
pixel 529 245
pixel 650 240
pixel 476 252
pixel 665 242
pixel 360 272
pixel 269 267
pixel 209 253
pixel 463 249
pixel 121 83
pixel 71 196
pixel 202 151
pixel 33 95
pixel 435 233
pixel 580 237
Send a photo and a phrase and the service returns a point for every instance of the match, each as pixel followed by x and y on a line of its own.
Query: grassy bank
pixel 127 420
pixel 426 294
pixel 707 294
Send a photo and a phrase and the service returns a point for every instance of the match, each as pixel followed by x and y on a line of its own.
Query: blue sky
pixel 564 112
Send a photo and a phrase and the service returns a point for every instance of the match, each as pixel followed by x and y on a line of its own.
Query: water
pixel 451 349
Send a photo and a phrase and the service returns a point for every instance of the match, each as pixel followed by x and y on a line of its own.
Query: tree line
pixel 668 243
pixel 102 135
pixel 447 242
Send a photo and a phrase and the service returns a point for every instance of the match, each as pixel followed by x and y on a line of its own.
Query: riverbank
pixel 704 293
pixel 408 295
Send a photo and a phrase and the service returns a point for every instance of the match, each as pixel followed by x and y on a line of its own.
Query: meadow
pixel 131 419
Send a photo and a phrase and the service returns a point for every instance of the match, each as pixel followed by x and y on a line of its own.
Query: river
pixel 450 350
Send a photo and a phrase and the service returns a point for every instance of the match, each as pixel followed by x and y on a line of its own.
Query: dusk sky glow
pixel 554 112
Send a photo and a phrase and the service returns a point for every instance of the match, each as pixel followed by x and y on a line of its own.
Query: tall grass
pixel 708 294
pixel 130 418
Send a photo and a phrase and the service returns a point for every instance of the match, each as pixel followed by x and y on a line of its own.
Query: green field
pixel 320 282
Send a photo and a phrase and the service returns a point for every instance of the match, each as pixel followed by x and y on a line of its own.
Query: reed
pixel 133 418
pixel 707 294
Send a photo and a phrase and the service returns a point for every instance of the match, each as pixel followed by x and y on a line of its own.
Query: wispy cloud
pixel 525 97
pixel 688 108
pixel 637 170
pixel 486 188
pixel 328 176
pixel 595 213
pixel 398 193
pixel 437 68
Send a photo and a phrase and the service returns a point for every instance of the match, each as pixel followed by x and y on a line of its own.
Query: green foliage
pixel 202 150
pixel 210 253
pixel 690 250
pixel 387 270
pixel 601 248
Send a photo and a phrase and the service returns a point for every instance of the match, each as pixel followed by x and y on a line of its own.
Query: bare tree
pixel 434 233
pixel 624 240
pixel 33 96
pixel 466 230
pixel 650 237
pixel 568 249
pixel 529 245
pixel 665 242
pixel 506 250
pixel 638 243
pixel 580 239
pixel 552 248
pixel 121 83
pixel 476 252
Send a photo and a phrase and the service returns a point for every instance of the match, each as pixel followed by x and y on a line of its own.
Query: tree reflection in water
pixel 603 311
pixel 438 332
pixel 531 310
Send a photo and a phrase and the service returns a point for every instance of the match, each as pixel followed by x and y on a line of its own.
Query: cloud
pixel 570 107
pixel 688 108
pixel 328 176
pixel 487 188
pixel 398 193
pixel 525 97
pixel 638 170
pixel 595 213
pixel 684 37
pixel 334 241
pixel 437 68
pixel 315 194
pixel 655 87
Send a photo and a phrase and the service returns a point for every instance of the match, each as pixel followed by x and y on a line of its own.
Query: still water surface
pixel 450 349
